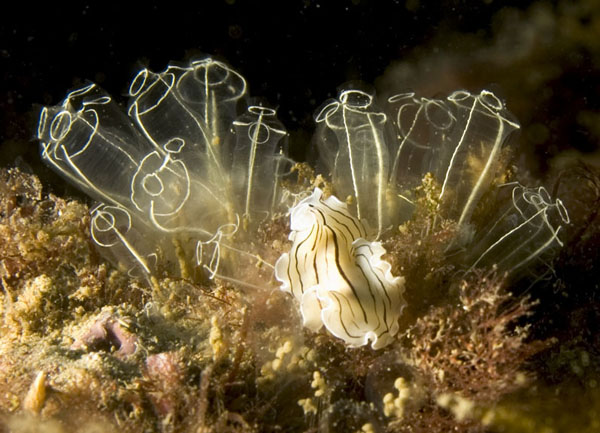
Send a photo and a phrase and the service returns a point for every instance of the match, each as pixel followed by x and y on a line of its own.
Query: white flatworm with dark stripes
pixel 338 276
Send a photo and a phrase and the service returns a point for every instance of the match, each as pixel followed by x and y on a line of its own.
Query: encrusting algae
pixel 86 347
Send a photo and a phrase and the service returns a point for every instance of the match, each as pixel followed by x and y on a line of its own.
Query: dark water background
pixel 293 53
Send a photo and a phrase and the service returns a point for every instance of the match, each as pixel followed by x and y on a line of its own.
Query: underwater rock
pixel 111 332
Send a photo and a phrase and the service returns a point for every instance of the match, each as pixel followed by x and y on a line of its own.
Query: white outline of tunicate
pixel 42 122
pixel 133 111
pixel 540 199
pixel 175 75
pixel 404 135
pixel 175 167
pixel 260 110
pixel 153 178
pixel 329 110
pixel 490 100
pixel 138 86
pixel 85 109
pixel 78 92
pixel 435 103
pixel 206 63
pixel 467 208
pixel 254 129
pixel 214 262
pixel 208 85
pixel 459 95
pixel 171 165
pixel 280 159
pixel 80 128
pixel 93 125
pixel 54 151
pixel 57 123
pixel 168 145
pixel 398 96
pixel 102 211
pixel 167 79
pixel 216 241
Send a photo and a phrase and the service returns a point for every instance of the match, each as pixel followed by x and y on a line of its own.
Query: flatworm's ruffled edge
pixel 315 301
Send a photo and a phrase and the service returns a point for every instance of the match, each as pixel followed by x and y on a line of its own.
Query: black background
pixel 293 53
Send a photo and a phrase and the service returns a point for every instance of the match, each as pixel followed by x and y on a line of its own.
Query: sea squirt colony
pixel 195 166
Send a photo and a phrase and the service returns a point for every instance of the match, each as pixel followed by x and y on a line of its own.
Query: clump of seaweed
pixel 472 350
pixel 417 250
pixel 476 346
pixel 110 353
pixel 467 340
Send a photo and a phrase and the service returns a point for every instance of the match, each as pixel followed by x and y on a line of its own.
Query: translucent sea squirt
pixel 338 276
pixel 177 173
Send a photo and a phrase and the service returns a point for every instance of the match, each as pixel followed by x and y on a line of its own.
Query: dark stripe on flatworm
pixel 376 276
pixel 296 259
pixel 340 268
pixel 373 295
pixel 355 222
pixel 335 295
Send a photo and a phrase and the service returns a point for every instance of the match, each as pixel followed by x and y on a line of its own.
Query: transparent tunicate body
pixel 525 231
pixel 258 154
pixel 353 147
pixel 177 173
pixel 378 157
pixel 187 174
pixel 458 139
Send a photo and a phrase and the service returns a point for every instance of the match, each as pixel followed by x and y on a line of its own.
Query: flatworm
pixel 338 276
